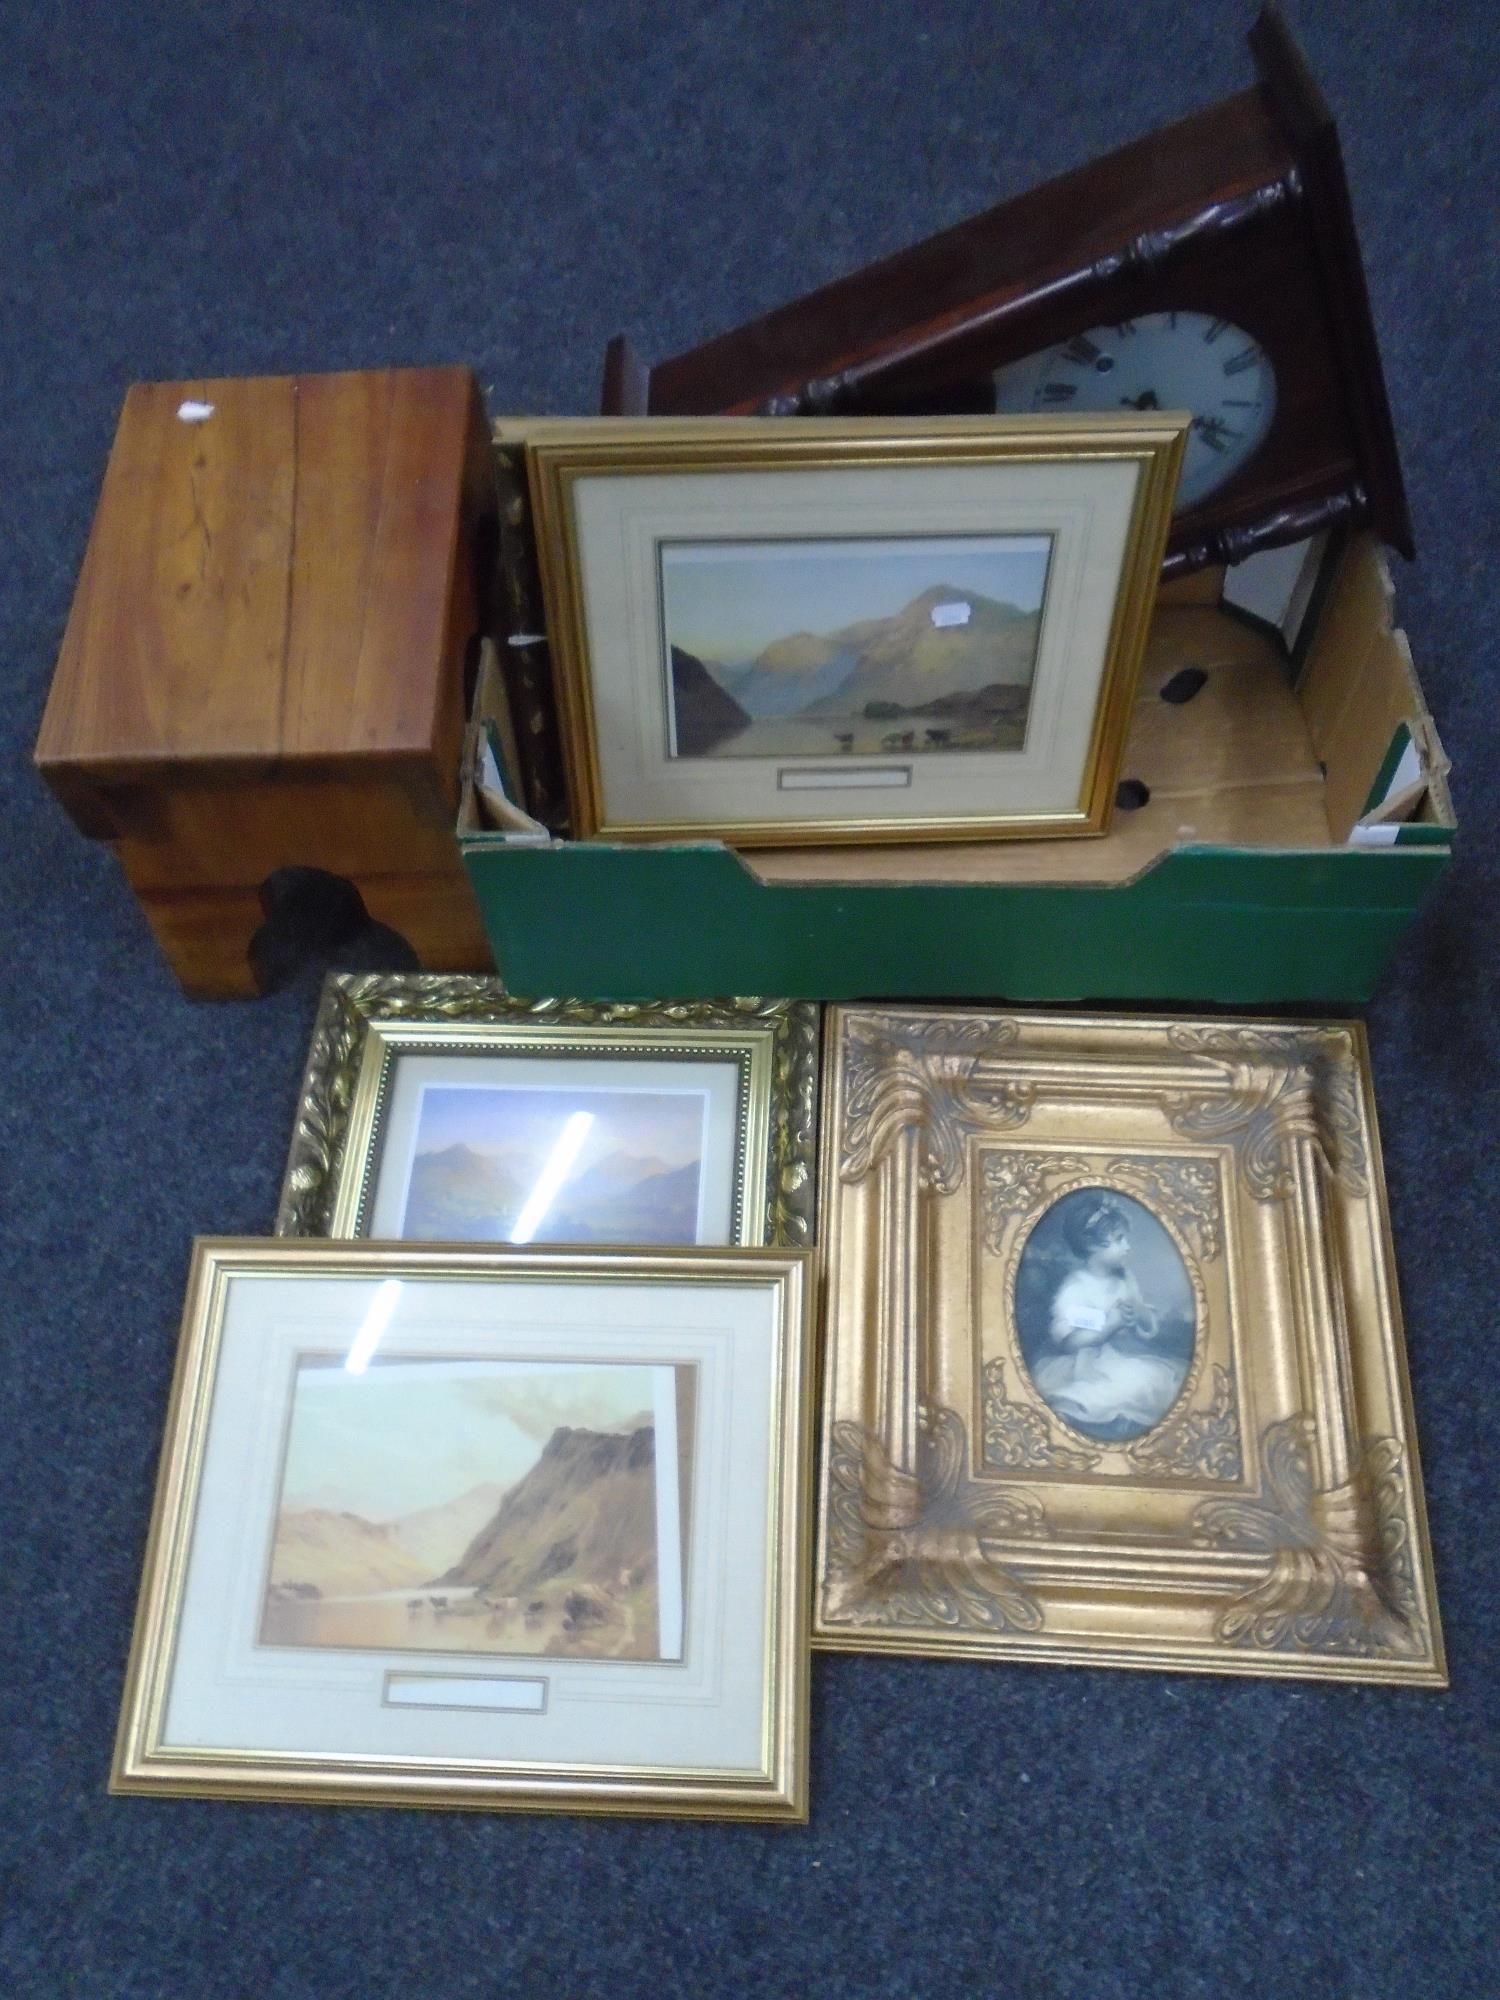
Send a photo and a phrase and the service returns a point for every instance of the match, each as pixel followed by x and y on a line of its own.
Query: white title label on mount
pixel 841 777
pixel 951 614
pixel 414 1690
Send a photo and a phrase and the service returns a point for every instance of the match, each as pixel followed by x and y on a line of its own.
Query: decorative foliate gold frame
pixel 147 1762
pixel 368 1021
pixel 1272 1522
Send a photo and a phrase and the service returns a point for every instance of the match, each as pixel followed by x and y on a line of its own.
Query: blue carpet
pixel 190 189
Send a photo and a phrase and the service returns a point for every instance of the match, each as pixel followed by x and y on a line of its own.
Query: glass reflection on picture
pixel 505 1164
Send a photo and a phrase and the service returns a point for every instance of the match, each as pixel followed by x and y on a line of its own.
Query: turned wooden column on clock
pixel 263 670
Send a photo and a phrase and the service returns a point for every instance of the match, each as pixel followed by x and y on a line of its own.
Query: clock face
pixel 1161 361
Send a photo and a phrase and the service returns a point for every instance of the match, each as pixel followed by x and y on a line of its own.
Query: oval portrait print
pixel 1105 1316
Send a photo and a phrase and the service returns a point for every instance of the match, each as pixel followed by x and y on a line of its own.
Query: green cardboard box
pixel 1292 810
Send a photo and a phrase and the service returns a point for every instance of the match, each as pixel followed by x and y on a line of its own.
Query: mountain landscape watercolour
pixel 546 1164
pixel 851 646
pixel 495 1507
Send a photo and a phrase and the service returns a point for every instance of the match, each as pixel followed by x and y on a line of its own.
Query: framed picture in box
pixel 443 1109
pixel 1114 1370
pixel 865 630
pixel 499 1528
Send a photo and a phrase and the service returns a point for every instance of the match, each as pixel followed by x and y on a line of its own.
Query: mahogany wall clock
pixel 1211 266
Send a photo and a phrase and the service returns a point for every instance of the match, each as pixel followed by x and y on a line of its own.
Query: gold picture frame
pixel 1114 1368
pixel 674 1686
pixel 759 1139
pixel 1005 719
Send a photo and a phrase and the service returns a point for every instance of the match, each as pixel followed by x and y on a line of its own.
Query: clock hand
pixel 1146 400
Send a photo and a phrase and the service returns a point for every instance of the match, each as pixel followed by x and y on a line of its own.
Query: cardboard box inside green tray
pixel 1293 820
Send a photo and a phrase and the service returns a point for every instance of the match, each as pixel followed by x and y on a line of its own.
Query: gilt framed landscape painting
pixel 488 1527
pixel 1114 1371
pixel 783 631
pixel 442 1109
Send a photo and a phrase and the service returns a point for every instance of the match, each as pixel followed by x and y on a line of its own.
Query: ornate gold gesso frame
pixel 1272 1521
pixel 368 1020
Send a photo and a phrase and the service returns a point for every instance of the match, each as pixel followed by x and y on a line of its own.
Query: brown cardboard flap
pixel 1359 687
pixel 486 806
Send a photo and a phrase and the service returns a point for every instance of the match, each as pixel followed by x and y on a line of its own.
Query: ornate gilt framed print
pixel 441 1109
pixel 777 631
pixel 523 1529
pixel 1114 1366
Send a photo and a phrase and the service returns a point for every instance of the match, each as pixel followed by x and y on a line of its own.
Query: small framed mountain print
pixel 440 1109
pixel 481 1528
pixel 1114 1370
pixel 782 631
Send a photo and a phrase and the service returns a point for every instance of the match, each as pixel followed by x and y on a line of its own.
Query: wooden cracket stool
pixel 263 668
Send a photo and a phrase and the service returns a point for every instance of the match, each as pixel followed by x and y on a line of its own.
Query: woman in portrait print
pixel 1108 1352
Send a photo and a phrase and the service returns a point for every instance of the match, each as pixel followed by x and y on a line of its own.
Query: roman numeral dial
pixel 1160 361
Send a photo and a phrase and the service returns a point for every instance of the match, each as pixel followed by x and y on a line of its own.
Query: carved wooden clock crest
pixel 1212 266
